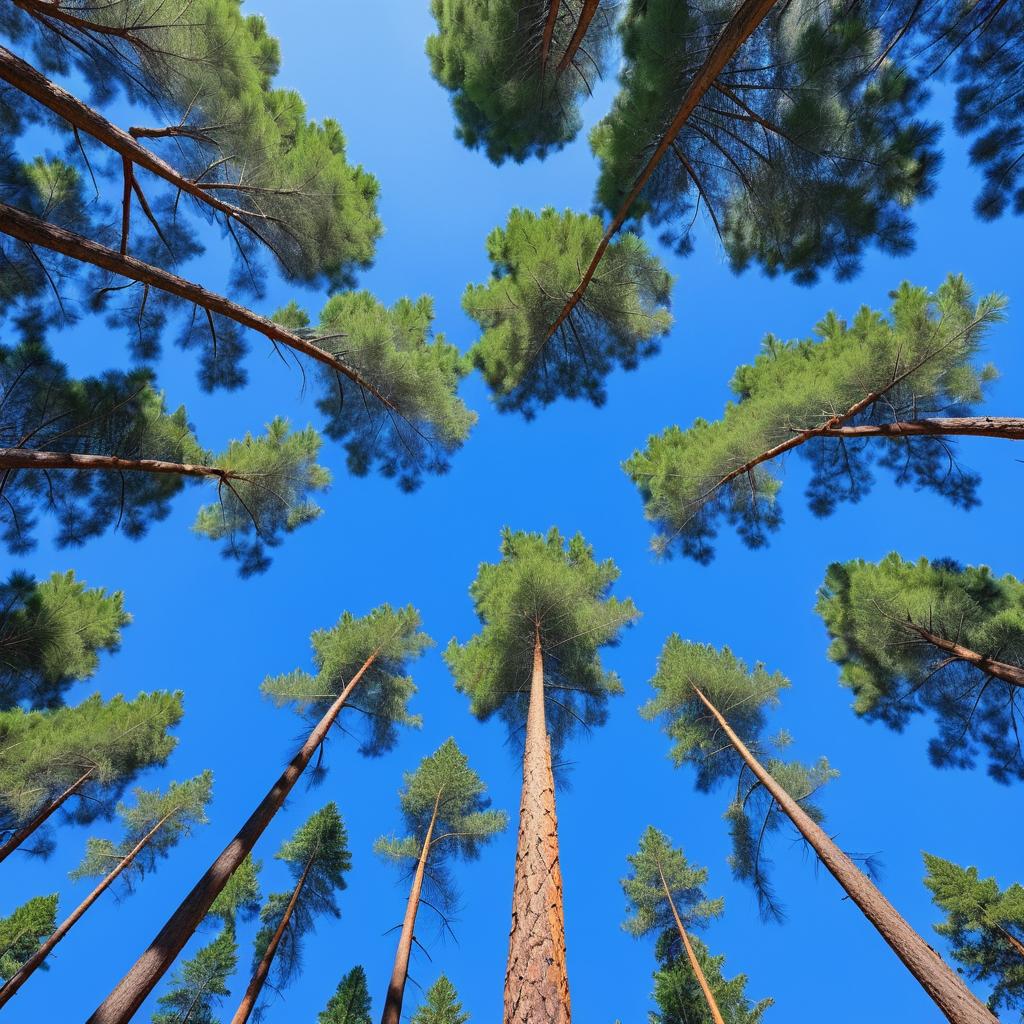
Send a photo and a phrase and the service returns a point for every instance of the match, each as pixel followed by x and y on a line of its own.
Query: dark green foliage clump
pixel 919 362
pixel 351 1003
pixel 875 614
pixel 537 264
pixel 240 897
pixel 985 926
pixel 440 1005
pixel 199 986
pixel 24 931
pixel 743 697
pixel 542 584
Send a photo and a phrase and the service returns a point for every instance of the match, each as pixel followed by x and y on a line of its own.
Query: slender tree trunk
pixel 536 981
pixel 549 32
pixel 1012 674
pixel 245 1007
pixel 1011 428
pixel 27 458
pixel 396 989
pixel 587 13
pixel 35 960
pixel 948 992
pixel 1015 944
pixel 716 1014
pixel 26 830
pixel 131 991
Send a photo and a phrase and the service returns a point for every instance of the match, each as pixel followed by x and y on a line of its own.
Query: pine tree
pixel 984 925
pixel 911 380
pixel 697 686
pixel 932 637
pixel 350 1004
pixel 446 814
pixel 363 658
pixel 545 613
pixel 152 828
pixel 201 983
pixel 77 759
pixel 535 266
pixel 240 897
pixel 664 892
pixel 318 858
pixel 23 931
pixel 440 1005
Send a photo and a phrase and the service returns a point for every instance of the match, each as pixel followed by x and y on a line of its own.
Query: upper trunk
pixel 1012 674
pixel 41 816
pixel 548 35
pixel 28 458
pixel 586 17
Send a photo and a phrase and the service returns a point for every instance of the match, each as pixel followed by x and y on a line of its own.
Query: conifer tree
pixel 317 857
pixel 545 612
pixel 911 381
pixel 535 266
pixel 446 814
pixel 77 759
pixel 440 1005
pixel 984 925
pixel 200 985
pixel 350 1004
pixel 664 892
pixel 22 932
pixel 361 658
pixel 152 828
pixel 697 686
pixel 933 637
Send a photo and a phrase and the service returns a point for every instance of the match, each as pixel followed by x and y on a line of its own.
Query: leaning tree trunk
pixel 587 13
pixel 131 991
pixel 948 992
pixel 536 981
pixel 252 992
pixel 42 816
pixel 27 969
pixel 702 981
pixel 1012 674
pixel 1011 940
pixel 396 989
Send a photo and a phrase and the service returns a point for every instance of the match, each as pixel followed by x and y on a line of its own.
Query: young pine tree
pixel 318 858
pixel 932 637
pixel 350 1004
pixel 664 892
pixel 23 931
pixel 446 815
pixel 893 391
pixel 361 665
pixel 545 613
pixel 152 828
pixel 440 1005
pixel 697 687
pixel 985 927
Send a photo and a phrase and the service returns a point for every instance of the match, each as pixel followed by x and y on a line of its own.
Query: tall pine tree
pixel 440 1005
pixel 350 1004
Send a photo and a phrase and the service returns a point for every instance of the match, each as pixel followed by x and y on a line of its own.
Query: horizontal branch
pixel 1012 674
pixel 1009 427
pixel 26 458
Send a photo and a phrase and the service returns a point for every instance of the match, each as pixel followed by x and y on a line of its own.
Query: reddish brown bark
pixel 252 992
pixel 47 10
pixel 1011 428
pixel 947 991
pixel 396 988
pixel 1012 941
pixel 536 980
pixel 131 991
pixel 26 458
pixel 587 13
pixel 35 960
pixel 548 34
pixel 1012 674
pixel 41 816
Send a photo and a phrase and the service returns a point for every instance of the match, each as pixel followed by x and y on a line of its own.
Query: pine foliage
pixel 24 931
pixel 199 986
pixel 536 265
pixel 874 613
pixel 351 1003
pixel 440 1005
pixel 919 362
pixel 240 897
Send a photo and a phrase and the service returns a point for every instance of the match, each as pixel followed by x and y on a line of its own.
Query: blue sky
pixel 198 627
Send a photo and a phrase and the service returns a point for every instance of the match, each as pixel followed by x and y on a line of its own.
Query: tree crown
pixel 24 931
pixel 350 1004
pixel 200 984
pixel 440 1005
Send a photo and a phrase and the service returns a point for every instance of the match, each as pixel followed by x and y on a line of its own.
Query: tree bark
pixel 1012 674
pixel 549 31
pixel 943 986
pixel 129 994
pixel 396 988
pixel 245 1007
pixel 587 13
pixel 536 980
pixel 1012 941
pixel 1009 427
pixel 702 981
pixel 27 458
pixel 26 830
pixel 35 960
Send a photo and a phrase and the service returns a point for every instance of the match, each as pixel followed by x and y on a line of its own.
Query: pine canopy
pixel 351 1003
pixel 198 987
pixel 240 897
pixel 440 1005
pixel 918 362
pixel 24 931
pixel 880 617
pixel 536 263
pixel 546 584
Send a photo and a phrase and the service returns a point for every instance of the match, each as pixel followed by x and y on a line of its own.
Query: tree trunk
pixel 27 458
pixel 587 13
pixel 26 830
pixel 1012 941
pixel 245 1007
pixel 396 989
pixel 716 1014
pixel 1012 674
pixel 549 31
pixel 536 981
pixel 948 992
pixel 1009 427
pixel 131 991
pixel 35 960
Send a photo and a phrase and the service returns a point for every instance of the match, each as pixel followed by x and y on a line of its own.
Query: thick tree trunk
pixel 26 830
pixel 35 960
pixel 131 991
pixel 536 981
pixel 252 992
pixel 702 981
pixel 1012 674
pixel 396 988
pixel 587 13
pixel 948 992
pixel 27 458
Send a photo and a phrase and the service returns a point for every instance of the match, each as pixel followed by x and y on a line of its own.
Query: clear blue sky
pixel 199 628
